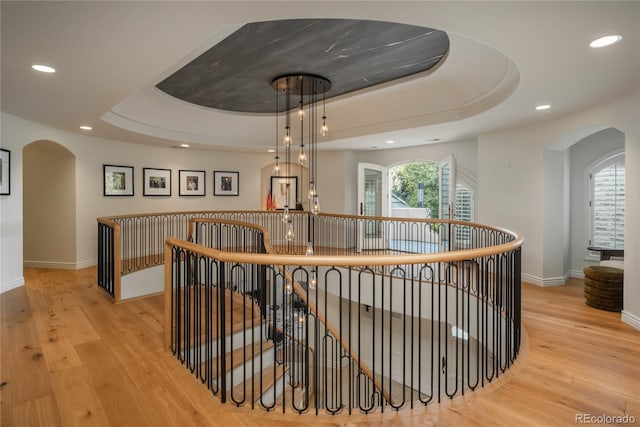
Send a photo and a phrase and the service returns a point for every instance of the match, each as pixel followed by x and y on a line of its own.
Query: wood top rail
pixel 346 260
pixel 112 219
pixel 266 235
pixel 331 260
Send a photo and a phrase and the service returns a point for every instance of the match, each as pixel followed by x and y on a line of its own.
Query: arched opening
pixel 567 198
pixel 49 206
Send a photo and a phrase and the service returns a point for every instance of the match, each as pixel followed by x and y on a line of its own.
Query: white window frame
pixel 469 184
pixel 602 163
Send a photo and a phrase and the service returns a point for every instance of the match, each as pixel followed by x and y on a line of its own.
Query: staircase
pixel 249 362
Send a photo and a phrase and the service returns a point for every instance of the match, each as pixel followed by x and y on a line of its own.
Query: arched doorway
pixel 49 206
pixel 567 200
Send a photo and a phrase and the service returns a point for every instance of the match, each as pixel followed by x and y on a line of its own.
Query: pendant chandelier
pixel 298 95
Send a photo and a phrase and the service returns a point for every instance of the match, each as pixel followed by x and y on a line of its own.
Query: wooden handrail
pixel 335 260
pixel 346 260
pixel 266 234
pixel 111 219
pixel 366 260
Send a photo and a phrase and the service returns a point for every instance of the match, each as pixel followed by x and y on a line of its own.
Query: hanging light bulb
pixel 276 167
pixel 315 209
pixel 312 190
pixel 286 216
pixel 309 250
pixel 287 140
pixel 308 90
pixel 301 317
pixel 324 129
pixel 313 283
pixel 290 234
pixel 302 157
pixel 288 288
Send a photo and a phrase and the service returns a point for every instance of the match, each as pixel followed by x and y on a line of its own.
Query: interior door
pixel 447 200
pixel 373 201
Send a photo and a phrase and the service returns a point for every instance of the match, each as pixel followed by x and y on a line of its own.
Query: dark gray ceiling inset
pixel 236 74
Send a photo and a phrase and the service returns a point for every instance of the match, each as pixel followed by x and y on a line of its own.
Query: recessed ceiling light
pixel 85 127
pixel 184 145
pixel 271 150
pixel 390 141
pixel 543 107
pixel 43 68
pixel 606 41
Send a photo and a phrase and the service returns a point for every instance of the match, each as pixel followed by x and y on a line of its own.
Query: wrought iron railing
pixel 108 257
pixel 375 332
pixel 387 313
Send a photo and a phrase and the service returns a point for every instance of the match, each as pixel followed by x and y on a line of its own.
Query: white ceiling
pixel 505 58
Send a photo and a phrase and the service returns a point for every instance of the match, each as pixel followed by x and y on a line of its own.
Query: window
pixel 464 203
pixel 463 210
pixel 607 202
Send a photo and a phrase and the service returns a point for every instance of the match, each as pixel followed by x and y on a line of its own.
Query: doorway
pixel 49 206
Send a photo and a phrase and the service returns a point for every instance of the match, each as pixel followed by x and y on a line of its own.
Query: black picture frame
pixel 278 191
pixel 192 182
pixel 117 180
pixel 5 172
pixel 156 182
pixel 226 183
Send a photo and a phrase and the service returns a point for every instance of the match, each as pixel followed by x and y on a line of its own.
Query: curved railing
pixel 395 320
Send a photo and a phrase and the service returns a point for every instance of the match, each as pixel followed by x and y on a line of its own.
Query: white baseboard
pixel 631 319
pixel 55 265
pixel 576 274
pixel 544 281
pixel 12 284
pixel 86 263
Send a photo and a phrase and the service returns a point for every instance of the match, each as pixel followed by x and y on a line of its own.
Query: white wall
pixel 556 217
pixel 631 311
pixel 11 218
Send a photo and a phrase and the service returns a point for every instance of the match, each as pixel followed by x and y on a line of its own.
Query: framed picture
pixel 118 180
pixel 5 172
pixel 284 190
pixel 192 183
pixel 225 183
pixel 156 182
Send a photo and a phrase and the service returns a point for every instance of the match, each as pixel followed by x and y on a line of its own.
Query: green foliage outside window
pixel 404 184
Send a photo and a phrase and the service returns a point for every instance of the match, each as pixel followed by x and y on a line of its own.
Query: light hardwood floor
pixel 71 357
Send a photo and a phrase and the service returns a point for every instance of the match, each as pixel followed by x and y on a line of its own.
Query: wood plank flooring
pixel 70 357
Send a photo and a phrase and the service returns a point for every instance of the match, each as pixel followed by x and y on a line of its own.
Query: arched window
pixel 606 202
